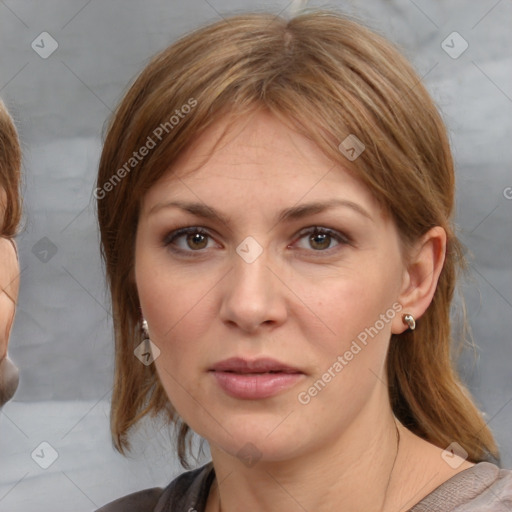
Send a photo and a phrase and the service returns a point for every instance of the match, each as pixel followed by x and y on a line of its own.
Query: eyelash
pixel 314 230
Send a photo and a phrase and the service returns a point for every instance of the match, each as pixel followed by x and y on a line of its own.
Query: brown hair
pixel 10 174
pixel 327 77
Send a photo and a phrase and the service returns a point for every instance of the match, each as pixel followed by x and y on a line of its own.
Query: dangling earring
pixel 408 319
pixel 145 331
pixel 146 351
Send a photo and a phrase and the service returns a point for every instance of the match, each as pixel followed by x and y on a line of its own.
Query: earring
pixel 147 351
pixel 408 319
pixel 145 331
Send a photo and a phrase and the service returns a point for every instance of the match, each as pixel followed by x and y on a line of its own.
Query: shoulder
pixel 141 500
pixel 482 488
pixel 187 491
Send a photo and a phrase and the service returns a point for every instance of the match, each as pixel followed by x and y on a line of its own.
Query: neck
pixel 353 472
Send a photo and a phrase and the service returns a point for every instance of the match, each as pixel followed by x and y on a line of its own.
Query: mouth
pixel 270 372
pixel 260 366
pixel 255 386
pixel 254 380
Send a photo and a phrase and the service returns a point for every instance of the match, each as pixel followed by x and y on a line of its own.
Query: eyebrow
pixel 286 215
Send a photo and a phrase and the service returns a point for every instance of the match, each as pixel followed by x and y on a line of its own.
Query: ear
pixel 426 260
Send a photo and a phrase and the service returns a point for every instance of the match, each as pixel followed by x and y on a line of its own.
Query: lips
pixel 257 366
pixel 255 380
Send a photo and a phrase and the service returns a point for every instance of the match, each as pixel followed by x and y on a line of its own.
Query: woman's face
pixel 262 285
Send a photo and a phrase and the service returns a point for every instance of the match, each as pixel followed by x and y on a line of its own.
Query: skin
pixel 302 301
pixel 9 283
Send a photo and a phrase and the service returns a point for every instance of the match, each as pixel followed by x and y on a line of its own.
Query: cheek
pixel 358 308
pixel 171 308
pixel 6 319
pixel 172 303
pixel 350 357
pixel 351 303
pixel 175 304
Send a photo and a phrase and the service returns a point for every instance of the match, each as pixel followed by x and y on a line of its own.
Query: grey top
pixel 482 488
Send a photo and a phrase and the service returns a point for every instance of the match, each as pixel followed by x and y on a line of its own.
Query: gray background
pixel 62 339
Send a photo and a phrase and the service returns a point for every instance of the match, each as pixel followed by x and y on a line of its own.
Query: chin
pixel 259 440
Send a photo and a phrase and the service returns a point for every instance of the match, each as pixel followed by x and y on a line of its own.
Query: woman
pixel 275 203
pixel 10 213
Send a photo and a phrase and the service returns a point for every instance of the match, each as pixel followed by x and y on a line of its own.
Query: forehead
pixel 256 157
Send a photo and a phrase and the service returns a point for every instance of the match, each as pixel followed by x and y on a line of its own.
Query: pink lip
pixel 251 380
pixel 252 386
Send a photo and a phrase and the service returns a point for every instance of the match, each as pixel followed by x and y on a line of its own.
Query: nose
pixel 253 294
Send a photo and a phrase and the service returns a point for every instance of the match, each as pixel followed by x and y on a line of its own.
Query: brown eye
pixel 320 239
pixel 195 238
